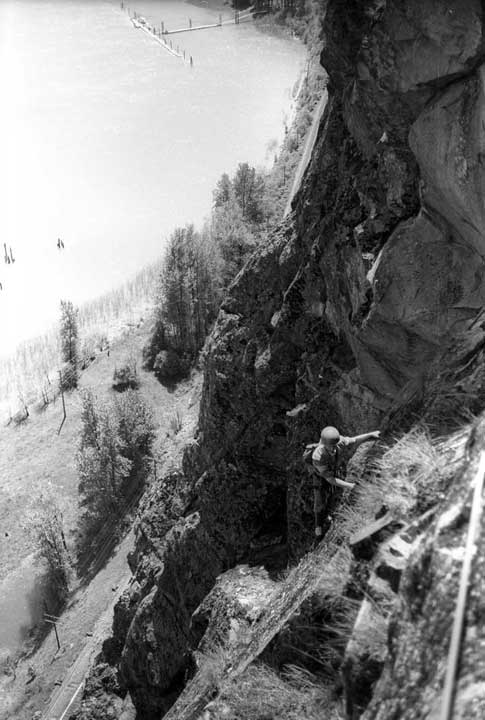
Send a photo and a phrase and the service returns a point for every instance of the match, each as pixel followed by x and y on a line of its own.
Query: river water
pixel 109 141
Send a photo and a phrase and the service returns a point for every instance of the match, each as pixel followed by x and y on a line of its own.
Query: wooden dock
pixel 163 43
pixel 233 21
pixel 160 35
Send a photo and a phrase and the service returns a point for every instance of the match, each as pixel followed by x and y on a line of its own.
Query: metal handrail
pixel 461 601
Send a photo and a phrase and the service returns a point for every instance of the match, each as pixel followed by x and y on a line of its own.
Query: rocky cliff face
pixel 370 291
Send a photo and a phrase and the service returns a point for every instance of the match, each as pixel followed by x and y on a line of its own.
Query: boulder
pixel 232 606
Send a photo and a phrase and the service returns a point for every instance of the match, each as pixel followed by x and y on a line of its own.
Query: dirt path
pixel 307 152
pixel 82 627
pixel 69 692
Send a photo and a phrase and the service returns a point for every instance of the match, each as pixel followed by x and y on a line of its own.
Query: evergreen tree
pixel 188 294
pixel 69 336
pixel 135 429
pixel 89 421
pixel 248 188
pixel 223 190
pixel 101 470
pixel 69 333
pixel 233 238
pixel 196 269
pixel 114 447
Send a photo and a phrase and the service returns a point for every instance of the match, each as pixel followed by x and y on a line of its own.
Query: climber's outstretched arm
pixel 366 437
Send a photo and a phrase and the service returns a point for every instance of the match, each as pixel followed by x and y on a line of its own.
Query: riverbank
pixel 215 5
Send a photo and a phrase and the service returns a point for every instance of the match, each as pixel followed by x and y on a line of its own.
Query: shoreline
pixel 214 5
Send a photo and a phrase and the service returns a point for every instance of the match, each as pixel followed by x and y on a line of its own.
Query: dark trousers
pixel 326 499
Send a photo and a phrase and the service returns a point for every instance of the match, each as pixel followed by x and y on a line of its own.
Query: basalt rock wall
pixel 337 319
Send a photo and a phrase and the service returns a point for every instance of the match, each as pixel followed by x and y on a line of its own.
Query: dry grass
pixel 316 638
pixel 260 693
pixel 406 476
pixel 176 421
pixel 412 471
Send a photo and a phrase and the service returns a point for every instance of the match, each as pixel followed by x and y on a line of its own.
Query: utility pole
pixel 63 403
pixel 52 619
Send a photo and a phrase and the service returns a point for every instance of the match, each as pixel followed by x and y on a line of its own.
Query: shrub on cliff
pixel 167 366
pixel 125 377
pixel 157 340
pixel 261 693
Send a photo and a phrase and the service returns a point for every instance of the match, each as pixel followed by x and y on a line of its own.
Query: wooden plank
pixel 369 530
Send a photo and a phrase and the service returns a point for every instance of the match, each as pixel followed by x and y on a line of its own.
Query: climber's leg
pixel 318 509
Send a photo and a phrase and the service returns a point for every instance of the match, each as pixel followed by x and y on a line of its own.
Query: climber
pixel 329 458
